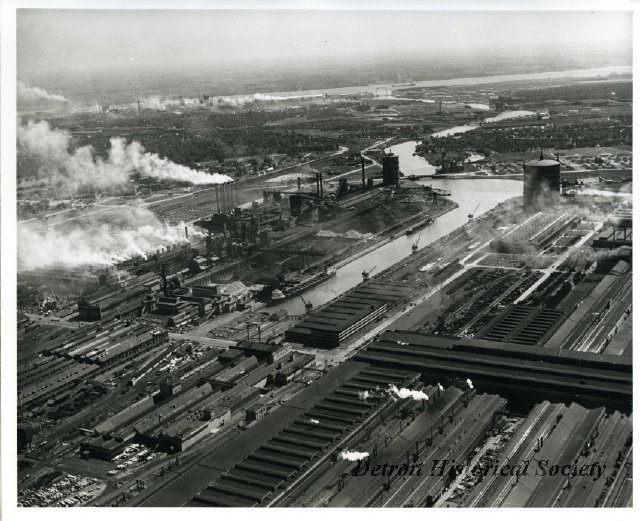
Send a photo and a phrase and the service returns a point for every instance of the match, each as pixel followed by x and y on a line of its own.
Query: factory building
pixel 112 303
pixel 191 428
pixel 541 183
pixel 265 352
pixel 534 234
pixel 176 311
pixel 523 374
pixel 331 325
pixel 525 325
pixel 225 297
pixel 256 412
pixel 617 230
pixel 258 463
pixel 390 169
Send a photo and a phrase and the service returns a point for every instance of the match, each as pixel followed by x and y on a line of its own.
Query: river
pixel 483 80
pixel 467 193
pixel 508 114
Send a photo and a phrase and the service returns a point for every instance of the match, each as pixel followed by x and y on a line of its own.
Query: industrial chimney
pixel 364 180
pixel 235 189
pixel 164 280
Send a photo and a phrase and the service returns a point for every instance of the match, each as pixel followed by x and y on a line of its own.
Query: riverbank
pixel 392 233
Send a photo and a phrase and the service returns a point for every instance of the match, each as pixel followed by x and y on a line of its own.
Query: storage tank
pixel 541 183
pixel 390 169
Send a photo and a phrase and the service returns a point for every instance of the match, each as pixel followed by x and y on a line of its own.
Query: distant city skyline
pixel 74 40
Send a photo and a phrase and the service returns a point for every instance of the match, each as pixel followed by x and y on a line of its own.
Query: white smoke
pixel 46 153
pixel 31 94
pixel 354 456
pixel 237 101
pixel 408 393
pixel 440 388
pixel 313 420
pixel 469 383
pixel 91 242
pixel 364 395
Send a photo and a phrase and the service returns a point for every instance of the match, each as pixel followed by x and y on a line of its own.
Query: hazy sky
pixel 77 39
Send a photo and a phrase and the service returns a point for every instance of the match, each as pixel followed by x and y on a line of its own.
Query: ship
pixel 278 296
pixel 416 227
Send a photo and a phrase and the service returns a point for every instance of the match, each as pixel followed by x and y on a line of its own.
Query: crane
pixel 308 306
pixel 366 273
pixel 474 212
pixel 414 246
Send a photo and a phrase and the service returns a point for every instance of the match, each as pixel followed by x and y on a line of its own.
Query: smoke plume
pixel 313 420
pixel 28 94
pixel 353 456
pixel 95 242
pixel 47 154
pixel 408 393
pixel 364 395
pixel 237 101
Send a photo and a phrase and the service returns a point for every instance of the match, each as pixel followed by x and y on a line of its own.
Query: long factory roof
pixel 196 479
pixel 581 373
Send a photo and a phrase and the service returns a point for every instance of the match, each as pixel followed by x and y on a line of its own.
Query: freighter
pixel 282 295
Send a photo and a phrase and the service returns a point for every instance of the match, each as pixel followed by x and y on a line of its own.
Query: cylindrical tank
pixel 390 170
pixel 541 183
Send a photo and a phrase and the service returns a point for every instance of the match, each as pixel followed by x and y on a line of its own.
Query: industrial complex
pixel 385 309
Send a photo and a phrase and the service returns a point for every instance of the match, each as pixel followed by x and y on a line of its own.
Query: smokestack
pixel 164 279
pixel 186 233
pixel 299 185
pixel 217 198
pixel 259 336
pixel 321 189
pixel 318 183
pixel 235 189
pixel 364 181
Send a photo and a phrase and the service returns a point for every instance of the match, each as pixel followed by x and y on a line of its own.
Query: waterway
pixel 483 80
pixel 467 193
pixel 508 114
